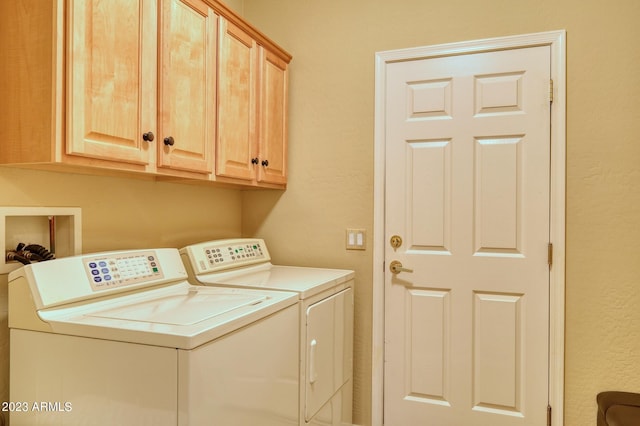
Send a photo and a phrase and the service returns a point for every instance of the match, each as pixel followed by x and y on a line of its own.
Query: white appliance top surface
pixel 179 315
pixel 138 296
pixel 305 281
pixel 246 262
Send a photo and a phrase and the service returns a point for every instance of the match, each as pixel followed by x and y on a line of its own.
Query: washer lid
pixel 178 316
pixel 181 309
pixel 302 280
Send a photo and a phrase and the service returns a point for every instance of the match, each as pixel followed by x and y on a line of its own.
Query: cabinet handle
pixel 169 141
pixel 265 163
pixel 254 160
pixel 149 137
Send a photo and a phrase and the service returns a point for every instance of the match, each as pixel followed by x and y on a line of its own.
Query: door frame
pixel 557 42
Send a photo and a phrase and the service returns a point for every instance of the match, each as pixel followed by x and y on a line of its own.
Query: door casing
pixel 557 42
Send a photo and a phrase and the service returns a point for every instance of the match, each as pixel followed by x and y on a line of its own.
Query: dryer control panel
pixel 218 255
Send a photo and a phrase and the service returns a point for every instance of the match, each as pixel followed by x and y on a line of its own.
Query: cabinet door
pixel 273 119
pixel 187 85
pixel 111 78
pixel 237 85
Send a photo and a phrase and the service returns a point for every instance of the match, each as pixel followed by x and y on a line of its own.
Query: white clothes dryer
pixel 122 338
pixel 326 317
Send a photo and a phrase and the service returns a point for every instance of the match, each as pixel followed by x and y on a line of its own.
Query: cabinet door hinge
pixel 550 91
pixel 548 415
pixel 550 254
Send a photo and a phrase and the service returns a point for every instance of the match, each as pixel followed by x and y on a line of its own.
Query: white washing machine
pixel 122 338
pixel 326 317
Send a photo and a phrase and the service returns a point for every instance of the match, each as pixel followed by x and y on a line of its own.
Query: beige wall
pixel 331 168
pixel 331 157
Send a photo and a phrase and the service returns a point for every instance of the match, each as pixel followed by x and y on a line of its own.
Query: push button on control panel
pixel 214 256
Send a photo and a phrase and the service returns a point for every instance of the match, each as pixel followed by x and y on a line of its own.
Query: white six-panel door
pixel 467 190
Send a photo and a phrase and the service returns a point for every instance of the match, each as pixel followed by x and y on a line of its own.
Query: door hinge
pixel 550 91
pixel 548 415
pixel 550 254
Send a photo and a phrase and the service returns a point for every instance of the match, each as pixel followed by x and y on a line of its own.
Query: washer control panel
pixel 122 269
pixel 225 254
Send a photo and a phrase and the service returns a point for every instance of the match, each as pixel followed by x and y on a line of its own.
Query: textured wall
pixel 331 159
pixel 331 149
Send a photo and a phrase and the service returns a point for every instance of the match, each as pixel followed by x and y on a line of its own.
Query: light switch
pixel 356 239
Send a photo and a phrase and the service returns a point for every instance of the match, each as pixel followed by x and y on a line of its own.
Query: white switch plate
pixel 356 239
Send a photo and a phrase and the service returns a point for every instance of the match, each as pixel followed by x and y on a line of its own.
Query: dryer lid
pixel 305 281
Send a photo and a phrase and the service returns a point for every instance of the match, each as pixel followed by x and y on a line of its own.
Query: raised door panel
pixel 111 79
pixel 273 120
pixel 188 86
pixel 237 85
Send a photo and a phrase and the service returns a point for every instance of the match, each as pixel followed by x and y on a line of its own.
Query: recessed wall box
pixel 59 229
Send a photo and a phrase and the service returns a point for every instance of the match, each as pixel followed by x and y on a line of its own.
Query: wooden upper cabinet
pixel 237 103
pixel 252 109
pixel 187 85
pixel 111 79
pixel 272 117
pixel 179 88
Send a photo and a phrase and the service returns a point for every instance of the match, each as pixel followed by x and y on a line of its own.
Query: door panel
pixel 273 119
pixel 467 188
pixel 498 177
pixel 428 206
pixel 188 85
pixel 497 359
pixel 111 45
pixel 237 104
pixel 427 348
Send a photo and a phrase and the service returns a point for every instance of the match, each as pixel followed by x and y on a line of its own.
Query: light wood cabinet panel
pixel 111 79
pixel 27 125
pixel 188 86
pixel 252 110
pixel 272 153
pixel 237 103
